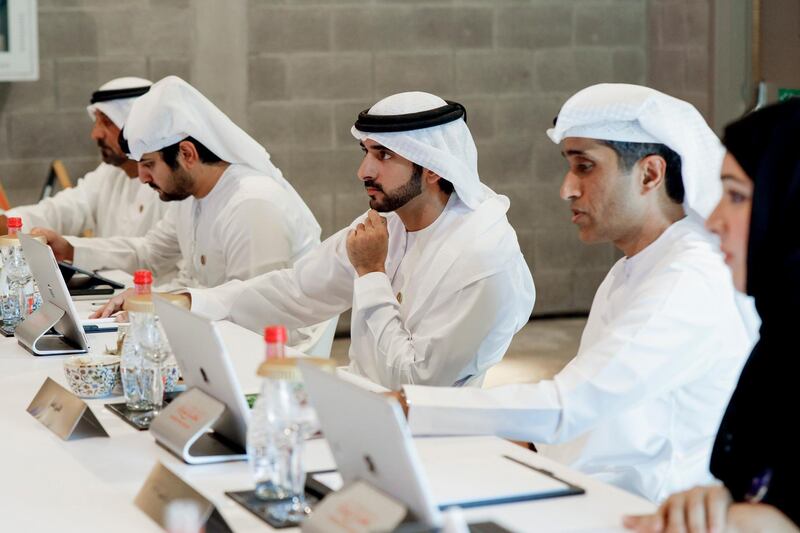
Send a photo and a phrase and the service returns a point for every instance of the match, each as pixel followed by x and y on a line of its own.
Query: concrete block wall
pixel 311 65
pixel 679 58
pixel 314 65
pixel 82 44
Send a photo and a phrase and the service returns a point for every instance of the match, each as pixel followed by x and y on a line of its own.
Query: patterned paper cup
pixel 92 376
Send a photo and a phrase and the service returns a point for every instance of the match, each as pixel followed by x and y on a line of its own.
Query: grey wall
pixel 734 78
pixel 82 44
pixel 295 73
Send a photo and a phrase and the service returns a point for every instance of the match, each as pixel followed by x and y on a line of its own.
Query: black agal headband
pixel 118 94
pixel 410 121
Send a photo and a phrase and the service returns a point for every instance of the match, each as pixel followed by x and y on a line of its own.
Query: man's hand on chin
pixel 368 244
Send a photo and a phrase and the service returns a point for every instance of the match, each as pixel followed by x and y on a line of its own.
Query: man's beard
pixel 109 155
pixel 182 185
pixel 399 197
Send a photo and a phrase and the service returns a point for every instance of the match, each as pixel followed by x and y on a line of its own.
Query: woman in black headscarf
pixel 758 221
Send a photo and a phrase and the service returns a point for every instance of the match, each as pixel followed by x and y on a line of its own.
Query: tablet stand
pixel 31 332
pixel 185 428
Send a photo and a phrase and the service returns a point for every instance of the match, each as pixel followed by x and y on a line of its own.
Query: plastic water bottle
pixel 281 421
pixel 262 452
pixel 20 295
pixel 141 314
pixel 4 305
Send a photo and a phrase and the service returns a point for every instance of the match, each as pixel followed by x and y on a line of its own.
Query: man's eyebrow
pixel 376 147
pixel 572 152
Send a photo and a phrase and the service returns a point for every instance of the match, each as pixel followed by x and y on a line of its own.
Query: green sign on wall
pixel 785 94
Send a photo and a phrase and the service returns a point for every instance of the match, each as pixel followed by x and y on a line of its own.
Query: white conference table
pixel 47 484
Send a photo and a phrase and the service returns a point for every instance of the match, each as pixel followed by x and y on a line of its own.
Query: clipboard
pixel 323 482
pixel 567 489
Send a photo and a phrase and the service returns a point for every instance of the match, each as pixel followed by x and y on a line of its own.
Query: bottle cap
pixel 143 277
pixel 14 222
pixel 275 334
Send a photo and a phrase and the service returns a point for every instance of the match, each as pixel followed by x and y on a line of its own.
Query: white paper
pixel 460 480
pixel 457 478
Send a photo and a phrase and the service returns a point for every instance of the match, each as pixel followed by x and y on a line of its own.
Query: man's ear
pixel 654 171
pixel 187 151
pixel 430 176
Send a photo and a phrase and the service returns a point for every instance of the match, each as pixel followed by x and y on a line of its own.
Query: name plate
pixel 63 413
pixel 162 487
pixel 189 414
pixel 183 427
pixel 357 508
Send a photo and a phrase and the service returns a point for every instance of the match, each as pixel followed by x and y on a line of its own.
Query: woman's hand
pixel 699 510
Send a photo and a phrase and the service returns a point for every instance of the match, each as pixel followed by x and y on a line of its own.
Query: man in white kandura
pixel 437 284
pixel 666 337
pixel 109 200
pixel 239 217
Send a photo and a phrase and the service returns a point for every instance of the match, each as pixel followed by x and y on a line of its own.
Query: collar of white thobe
pixel 421 237
pixel 653 251
pixel 437 260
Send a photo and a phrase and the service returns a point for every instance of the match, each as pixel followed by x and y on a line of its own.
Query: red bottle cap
pixel 275 334
pixel 14 222
pixel 143 277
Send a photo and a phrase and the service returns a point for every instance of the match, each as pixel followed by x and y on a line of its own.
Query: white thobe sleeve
pixel 157 251
pixel 317 288
pixel 657 343
pixel 70 212
pixel 443 344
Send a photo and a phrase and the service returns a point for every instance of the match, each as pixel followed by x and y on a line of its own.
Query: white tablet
pixel 370 440
pixel 205 365
pixel 57 310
